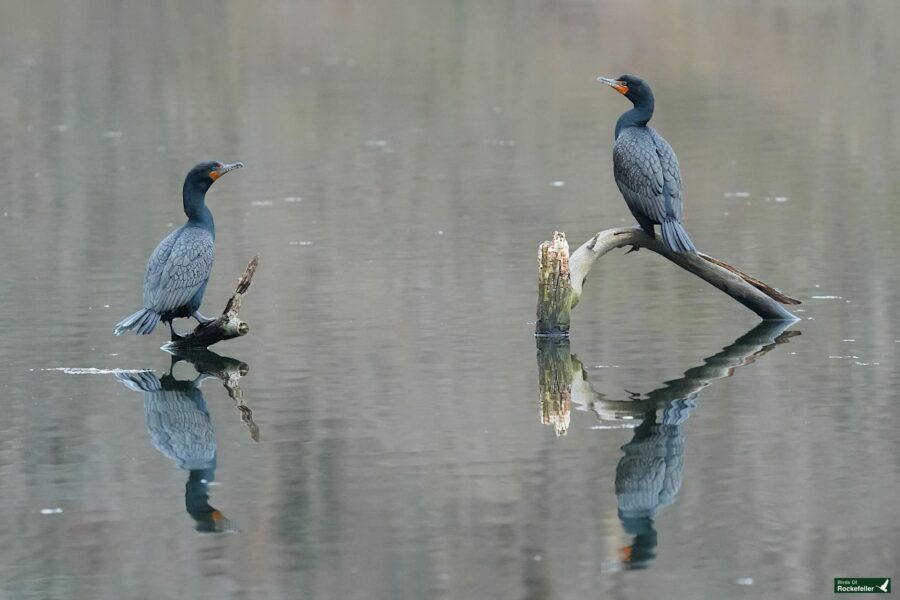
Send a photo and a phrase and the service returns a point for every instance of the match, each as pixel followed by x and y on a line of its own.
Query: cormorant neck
pixel 638 116
pixel 194 196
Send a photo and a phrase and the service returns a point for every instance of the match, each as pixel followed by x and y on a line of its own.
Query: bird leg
pixel 201 319
pixel 175 335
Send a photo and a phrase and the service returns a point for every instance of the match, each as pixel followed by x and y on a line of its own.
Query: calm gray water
pixel 400 167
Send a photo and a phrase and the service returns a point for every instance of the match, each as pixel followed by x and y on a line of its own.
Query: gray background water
pixel 392 365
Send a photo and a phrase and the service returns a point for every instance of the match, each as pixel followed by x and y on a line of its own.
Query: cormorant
pixel 180 427
pixel 179 267
pixel 649 475
pixel 646 168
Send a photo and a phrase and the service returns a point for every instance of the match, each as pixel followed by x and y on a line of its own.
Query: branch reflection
pixel 179 424
pixel 649 473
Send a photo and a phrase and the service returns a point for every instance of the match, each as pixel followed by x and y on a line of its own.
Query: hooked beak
pixel 215 174
pixel 619 86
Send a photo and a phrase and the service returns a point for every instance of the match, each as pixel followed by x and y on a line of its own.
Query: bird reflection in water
pixel 180 427
pixel 650 472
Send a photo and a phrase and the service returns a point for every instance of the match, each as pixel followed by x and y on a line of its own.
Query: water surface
pixel 403 163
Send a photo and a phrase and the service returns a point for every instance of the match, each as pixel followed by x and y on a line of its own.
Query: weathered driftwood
pixel 557 370
pixel 556 296
pixel 227 370
pixel 227 326
pixel 563 382
pixel 561 277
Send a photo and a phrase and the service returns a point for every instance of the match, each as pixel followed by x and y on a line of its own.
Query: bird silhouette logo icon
pixel 884 586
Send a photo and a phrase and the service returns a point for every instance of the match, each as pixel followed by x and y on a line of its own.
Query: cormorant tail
pixel 676 238
pixel 142 322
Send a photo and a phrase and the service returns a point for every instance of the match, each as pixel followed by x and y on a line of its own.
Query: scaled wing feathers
pixel 179 266
pixel 647 174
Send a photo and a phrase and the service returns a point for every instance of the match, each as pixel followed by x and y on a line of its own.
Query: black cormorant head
pixel 203 174
pixel 630 86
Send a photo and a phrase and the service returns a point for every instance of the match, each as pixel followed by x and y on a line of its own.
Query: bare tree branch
pixel 228 325
pixel 561 277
